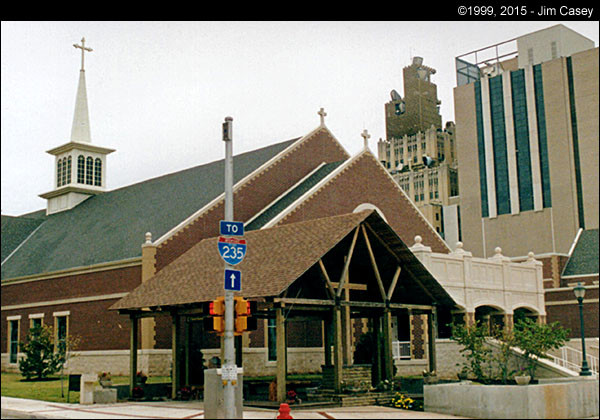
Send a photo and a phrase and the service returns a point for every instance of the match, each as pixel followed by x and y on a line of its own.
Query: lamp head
pixel 579 291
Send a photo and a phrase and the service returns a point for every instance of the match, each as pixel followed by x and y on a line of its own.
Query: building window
pixel 271 340
pixel 530 56
pixel 98 172
pixel 542 139
pixel 554 49
pixel 521 130
pixel 481 151
pixel 59 172
pixel 61 329
pixel 68 169
pixel 80 169
pixel 499 146
pixel 13 345
pixel 89 170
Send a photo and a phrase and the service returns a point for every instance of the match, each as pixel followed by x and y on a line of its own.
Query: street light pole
pixel 579 291
pixel 228 343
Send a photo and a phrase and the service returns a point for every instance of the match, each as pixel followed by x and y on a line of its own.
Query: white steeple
pixel 81 120
pixel 80 166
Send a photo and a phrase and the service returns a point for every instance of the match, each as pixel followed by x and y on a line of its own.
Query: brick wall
pixel 256 194
pixel 562 306
pixel 366 181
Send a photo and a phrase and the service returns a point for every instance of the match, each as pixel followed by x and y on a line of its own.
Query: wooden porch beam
pixel 326 278
pixel 313 304
pixel 347 264
pixel 394 282
pixel 374 263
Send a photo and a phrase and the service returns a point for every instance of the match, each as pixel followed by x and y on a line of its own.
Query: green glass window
pixel 521 129
pixel 499 145
pixel 578 185
pixel 481 151
pixel 542 139
pixel 89 170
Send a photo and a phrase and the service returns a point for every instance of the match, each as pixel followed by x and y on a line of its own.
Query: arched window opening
pixel 80 169
pixel 63 170
pixel 89 170
pixel 69 170
pixel 59 172
pixel 98 172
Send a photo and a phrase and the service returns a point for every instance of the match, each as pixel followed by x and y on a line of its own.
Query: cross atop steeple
pixel 83 50
pixel 366 136
pixel 322 114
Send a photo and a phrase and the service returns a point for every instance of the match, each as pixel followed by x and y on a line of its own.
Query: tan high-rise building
pixel 527 141
pixel 419 109
pixel 419 154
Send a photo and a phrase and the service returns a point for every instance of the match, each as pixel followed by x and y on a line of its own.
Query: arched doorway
pixel 490 316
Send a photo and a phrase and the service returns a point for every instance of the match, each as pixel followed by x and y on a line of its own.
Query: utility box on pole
pixel 214 394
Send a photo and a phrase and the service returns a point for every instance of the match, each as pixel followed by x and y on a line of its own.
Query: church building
pixel 67 265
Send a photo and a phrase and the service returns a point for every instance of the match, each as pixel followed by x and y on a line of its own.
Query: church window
pixel 98 172
pixel 89 170
pixel 59 171
pixel 68 170
pixel 80 169
pixel 61 328
pixel 13 345
pixel 63 175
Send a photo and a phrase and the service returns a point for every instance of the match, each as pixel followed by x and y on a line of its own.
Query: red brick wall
pixel 99 328
pixel 365 181
pixel 256 194
pixel 72 286
pixel 568 313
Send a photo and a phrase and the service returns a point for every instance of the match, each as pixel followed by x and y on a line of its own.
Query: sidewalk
pixel 21 408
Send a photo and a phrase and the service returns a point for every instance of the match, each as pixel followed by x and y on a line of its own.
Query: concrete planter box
pixel 565 399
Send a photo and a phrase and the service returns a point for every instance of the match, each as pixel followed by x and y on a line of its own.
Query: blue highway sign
pixel 233 280
pixel 232 250
pixel 231 228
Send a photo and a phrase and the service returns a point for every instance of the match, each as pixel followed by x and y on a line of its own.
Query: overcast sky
pixel 159 91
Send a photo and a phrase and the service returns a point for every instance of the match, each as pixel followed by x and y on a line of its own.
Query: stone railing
pixel 494 281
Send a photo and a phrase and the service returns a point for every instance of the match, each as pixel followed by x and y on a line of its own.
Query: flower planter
pixel 522 379
pixel 538 401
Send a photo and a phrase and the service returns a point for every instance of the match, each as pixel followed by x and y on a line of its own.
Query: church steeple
pixel 80 166
pixel 81 120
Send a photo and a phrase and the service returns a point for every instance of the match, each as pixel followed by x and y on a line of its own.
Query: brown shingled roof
pixel 275 258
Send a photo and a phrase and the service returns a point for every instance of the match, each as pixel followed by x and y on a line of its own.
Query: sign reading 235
pixel 232 250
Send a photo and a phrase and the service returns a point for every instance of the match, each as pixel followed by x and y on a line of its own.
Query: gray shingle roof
pixel 15 229
pixel 111 226
pixel 584 259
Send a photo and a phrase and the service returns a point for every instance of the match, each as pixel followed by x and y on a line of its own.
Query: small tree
pixel 40 360
pixel 477 352
pixel 537 339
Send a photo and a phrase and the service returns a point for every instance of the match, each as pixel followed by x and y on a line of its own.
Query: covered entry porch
pixel 330 271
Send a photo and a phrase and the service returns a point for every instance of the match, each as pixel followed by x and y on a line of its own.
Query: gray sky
pixel 159 91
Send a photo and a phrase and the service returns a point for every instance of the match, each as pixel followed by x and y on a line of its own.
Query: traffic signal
pixel 243 311
pixel 216 310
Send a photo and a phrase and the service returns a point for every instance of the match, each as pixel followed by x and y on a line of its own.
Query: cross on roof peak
pixel 83 50
pixel 366 136
pixel 322 114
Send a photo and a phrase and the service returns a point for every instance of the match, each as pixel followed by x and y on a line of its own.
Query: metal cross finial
pixel 83 50
pixel 365 135
pixel 322 114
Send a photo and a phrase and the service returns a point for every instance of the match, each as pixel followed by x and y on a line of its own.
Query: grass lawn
pixel 14 385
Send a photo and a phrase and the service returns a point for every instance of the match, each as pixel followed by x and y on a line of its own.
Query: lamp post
pixel 579 291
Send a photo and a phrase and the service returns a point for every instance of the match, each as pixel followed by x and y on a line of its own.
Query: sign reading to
pixel 227 228
pixel 233 280
pixel 232 250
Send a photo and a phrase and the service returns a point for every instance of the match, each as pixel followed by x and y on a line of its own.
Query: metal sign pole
pixel 228 342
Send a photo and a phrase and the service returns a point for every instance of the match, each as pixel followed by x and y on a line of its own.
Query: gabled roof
pixel 15 229
pixel 276 257
pixel 584 258
pixel 111 226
